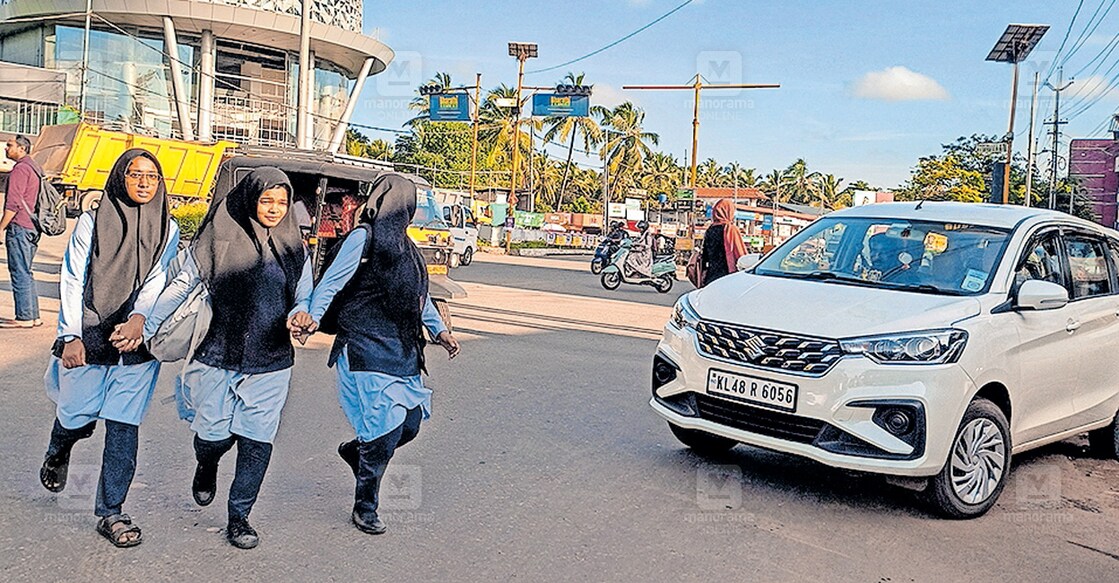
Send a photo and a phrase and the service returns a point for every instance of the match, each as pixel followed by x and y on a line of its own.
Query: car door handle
pixel 1072 326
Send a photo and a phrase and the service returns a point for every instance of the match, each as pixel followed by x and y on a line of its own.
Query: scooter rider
pixel 640 258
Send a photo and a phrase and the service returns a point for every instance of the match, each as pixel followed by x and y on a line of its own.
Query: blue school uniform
pixel 375 403
pixel 219 398
pixel 119 392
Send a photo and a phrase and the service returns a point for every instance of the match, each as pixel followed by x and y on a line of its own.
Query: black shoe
pixel 349 453
pixel 374 526
pixel 205 483
pixel 240 534
pixel 54 471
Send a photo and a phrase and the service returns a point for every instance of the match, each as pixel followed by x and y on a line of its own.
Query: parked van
pixel 464 232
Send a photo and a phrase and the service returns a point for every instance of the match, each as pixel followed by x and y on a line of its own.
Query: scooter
pixel 602 254
pixel 664 271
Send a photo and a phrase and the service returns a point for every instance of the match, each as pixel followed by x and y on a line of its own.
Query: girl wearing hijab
pixel 115 266
pixel 722 244
pixel 377 286
pixel 250 257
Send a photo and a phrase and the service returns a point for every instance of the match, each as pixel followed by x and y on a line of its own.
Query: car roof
pixel 990 215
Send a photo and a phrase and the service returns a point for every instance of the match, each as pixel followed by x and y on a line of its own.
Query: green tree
pixel 567 128
pixel 944 178
pixel 801 182
pixel 421 104
pixel 627 144
pixel 776 184
pixel 828 186
pixel 661 175
pixel 709 174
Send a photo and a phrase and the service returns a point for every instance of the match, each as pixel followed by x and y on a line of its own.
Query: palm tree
pixel 710 174
pixel 421 104
pixel 739 176
pixel 776 183
pixel 661 174
pixel 829 188
pixel 627 143
pixel 568 128
pixel 379 150
pixel 496 132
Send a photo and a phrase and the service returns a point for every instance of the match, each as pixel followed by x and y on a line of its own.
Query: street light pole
pixel 474 141
pixel 522 52
pixel 1031 145
pixel 1013 47
pixel 1010 137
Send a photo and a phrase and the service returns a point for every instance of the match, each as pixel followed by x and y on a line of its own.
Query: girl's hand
pixel 73 354
pixel 449 343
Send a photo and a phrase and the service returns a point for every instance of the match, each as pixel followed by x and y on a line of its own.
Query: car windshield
pixel 920 256
pixel 428 213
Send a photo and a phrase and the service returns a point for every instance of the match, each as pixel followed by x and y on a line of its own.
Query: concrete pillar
pixel 351 103
pixel 206 87
pixel 303 115
pixel 182 100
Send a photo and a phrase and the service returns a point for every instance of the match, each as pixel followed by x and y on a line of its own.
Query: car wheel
pixel 664 284
pixel 467 257
pixel 611 280
pixel 1104 442
pixel 597 265
pixel 702 442
pixel 978 464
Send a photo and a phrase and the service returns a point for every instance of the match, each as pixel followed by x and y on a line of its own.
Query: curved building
pixel 234 73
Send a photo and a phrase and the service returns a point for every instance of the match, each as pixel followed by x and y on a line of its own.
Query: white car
pixel 464 232
pixel 928 342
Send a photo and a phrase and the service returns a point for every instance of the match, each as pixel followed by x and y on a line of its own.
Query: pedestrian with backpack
pixel 20 233
pixel 374 297
pixel 115 266
pixel 251 260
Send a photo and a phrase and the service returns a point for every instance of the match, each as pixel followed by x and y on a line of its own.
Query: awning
pixel 32 83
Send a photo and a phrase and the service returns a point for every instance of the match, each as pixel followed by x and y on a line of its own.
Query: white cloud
pixel 1091 88
pixel 899 84
pixel 609 96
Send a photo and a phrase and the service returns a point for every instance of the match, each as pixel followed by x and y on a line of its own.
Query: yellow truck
pixel 78 158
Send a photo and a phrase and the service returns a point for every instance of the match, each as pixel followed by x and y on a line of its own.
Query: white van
pixel 464 232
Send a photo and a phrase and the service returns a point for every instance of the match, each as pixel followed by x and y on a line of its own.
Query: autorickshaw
pixel 330 194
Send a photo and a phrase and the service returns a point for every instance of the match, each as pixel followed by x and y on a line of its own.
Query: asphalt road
pixel 542 462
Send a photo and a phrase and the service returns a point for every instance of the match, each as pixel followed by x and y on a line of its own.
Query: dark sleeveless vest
pixel 256 340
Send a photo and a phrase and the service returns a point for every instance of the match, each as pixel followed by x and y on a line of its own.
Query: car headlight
pixel 683 315
pixel 928 347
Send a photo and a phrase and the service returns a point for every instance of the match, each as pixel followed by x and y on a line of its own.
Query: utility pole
pixel 85 56
pixel 522 52
pixel 1056 133
pixel 1030 144
pixel 696 86
pixel 474 142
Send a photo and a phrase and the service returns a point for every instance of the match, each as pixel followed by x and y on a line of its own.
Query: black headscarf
pixel 128 239
pixel 398 263
pixel 232 245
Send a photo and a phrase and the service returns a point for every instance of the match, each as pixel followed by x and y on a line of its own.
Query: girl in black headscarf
pixel 250 259
pixel 377 287
pixel 114 268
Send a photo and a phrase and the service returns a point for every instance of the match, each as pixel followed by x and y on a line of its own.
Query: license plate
pixel 753 390
pixel 437 270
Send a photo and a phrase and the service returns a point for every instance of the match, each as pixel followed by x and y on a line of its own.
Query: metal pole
pixel 304 92
pixel 206 88
pixel 340 130
pixel 182 100
pixel 474 141
pixel 516 148
pixel 695 131
pixel 1010 137
pixel 606 182
pixel 531 170
pixel 85 55
pixel 1030 146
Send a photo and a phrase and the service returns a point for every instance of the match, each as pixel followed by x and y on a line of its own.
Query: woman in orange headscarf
pixel 722 244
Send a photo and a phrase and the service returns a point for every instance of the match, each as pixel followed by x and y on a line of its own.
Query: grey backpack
pixel 49 216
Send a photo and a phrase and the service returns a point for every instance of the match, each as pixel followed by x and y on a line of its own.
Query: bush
pixel 189 216
pixel 529 245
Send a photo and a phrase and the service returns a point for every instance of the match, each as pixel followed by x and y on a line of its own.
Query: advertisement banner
pixel 529 220
pixel 553 105
pixel 449 107
pixel 617 210
pixel 767 222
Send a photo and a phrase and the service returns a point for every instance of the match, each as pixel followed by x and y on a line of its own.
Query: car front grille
pixel 757 420
pixel 767 349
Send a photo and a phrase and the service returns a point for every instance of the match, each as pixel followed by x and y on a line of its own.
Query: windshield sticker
pixel 974 280
pixel 936 243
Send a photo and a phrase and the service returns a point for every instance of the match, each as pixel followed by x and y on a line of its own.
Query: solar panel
pixel 1017 42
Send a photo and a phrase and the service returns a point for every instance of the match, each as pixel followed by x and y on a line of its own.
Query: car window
pixel 1042 262
pixel 1088 261
pixel 816 253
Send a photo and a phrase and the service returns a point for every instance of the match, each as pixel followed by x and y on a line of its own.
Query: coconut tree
pixel 567 128
pixel 829 188
pixel 776 184
pixel 626 143
pixel 421 103
pixel 661 174
pixel 495 136
pixel 739 176
pixel 710 174
pixel 801 181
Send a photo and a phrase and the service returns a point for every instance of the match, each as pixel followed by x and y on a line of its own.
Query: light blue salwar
pixel 118 392
pixel 219 402
pixel 374 403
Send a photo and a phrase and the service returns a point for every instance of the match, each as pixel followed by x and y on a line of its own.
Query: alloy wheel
pixel 978 461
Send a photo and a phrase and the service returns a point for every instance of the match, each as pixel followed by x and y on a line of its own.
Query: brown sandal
pixel 115 536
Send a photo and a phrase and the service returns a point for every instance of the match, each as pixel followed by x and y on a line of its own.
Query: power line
pixel 1108 48
pixel 1086 34
pixel 1053 64
pixel 615 43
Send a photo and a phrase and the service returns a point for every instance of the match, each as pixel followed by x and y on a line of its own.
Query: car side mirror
pixel 748 261
pixel 447 214
pixel 1035 294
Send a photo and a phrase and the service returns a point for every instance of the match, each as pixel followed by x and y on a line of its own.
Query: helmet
pixel 642 225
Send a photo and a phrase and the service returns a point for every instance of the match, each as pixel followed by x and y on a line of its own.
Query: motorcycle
pixel 664 271
pixel 602 254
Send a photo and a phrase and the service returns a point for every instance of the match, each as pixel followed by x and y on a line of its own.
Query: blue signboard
pixel 553 105
pixel 767 222
pixel 449 107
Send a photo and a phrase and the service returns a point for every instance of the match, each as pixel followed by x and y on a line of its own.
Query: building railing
pixel 24 117
pixel 251 121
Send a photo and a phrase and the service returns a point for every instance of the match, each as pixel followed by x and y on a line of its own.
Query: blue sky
pixel 867 86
